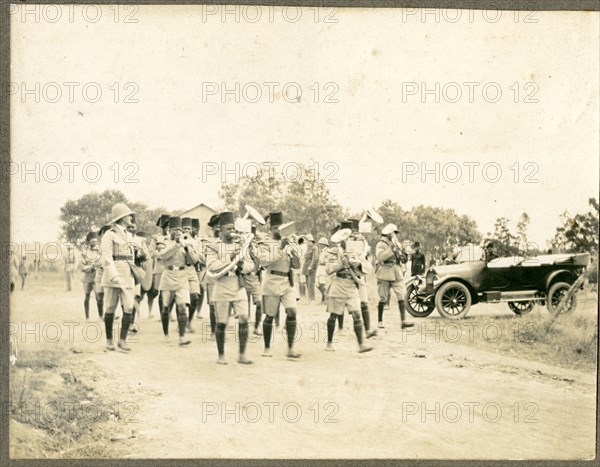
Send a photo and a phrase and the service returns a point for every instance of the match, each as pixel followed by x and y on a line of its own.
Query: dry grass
pixel 42 425
pixel 570 341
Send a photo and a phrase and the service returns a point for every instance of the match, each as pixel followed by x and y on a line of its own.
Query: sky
pixel 488 115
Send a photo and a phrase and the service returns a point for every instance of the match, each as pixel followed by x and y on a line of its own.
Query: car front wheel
pixel 556 293
pixel 416 306
pixel 453 300
pixel 521 308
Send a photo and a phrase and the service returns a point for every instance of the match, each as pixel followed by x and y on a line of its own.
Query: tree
pixel 93 210
pixel 521 237
pixel 437 229
pixel 504 239
pixel 309 202
pixel 306 199
pixel 578 233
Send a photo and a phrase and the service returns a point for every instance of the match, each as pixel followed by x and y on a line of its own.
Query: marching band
pixel 238 267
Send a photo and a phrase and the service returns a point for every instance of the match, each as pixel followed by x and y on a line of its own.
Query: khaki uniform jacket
pixel 388 268
pixel 116 244
pixel 90 260
pixel 230 287
pixel 273 258
pixel 175 255
pixel 339 287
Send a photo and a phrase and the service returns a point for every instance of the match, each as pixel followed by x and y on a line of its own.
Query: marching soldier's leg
pixel 239 307
pixel 200 301
pixel 359 331
pixel 383 290
pixel 366 316
pixel 257 317
pixel 340 320
pixel 87 290
pixel 222 317
pixel 182 321
pixel 288 300
pixel 330 331
pixel 270 308
pixel 400 290
pixel 290 327
pixel 100 303
pixel 165 295
pixel 403 323
pixel 127 301
pixel 182 299
pixel 109 316
pixel 192 310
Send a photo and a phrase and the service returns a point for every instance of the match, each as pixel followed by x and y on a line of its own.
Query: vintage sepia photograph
pixel 272 232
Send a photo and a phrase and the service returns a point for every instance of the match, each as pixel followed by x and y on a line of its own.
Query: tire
pixel 521 308
pixel 555 293
pixel 453 300
pixel 415 306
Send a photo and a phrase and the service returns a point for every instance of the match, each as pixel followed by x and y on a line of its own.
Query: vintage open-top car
pixel 519 281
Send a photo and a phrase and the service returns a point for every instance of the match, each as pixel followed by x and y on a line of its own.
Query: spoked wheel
pixel 521 308
pixel 416 306
pixel 556 293
pixel 453 300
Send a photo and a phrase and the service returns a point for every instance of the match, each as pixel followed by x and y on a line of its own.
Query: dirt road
pixel 415 396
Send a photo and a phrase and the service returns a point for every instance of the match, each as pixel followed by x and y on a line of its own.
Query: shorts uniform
pixel 228 291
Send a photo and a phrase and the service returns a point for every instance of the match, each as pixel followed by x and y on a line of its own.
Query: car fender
pixel 569 277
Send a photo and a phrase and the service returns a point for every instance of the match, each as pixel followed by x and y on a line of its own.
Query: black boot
pixel 403 324
pixel 366 316
pixel 220 338
pixel 380 306
pixel 243 336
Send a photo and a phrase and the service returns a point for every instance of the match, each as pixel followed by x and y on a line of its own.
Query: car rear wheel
pixel 556 293
pixel 521 308
pixel 453 300
pixel 415 305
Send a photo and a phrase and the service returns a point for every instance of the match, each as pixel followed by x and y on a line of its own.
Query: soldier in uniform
pixel 163 223
pixel 278 256
pixel 142 254
pixel 117 279
pixel 321 273
pixel 200 267
pixel 209 283
pixel 365 268
pixel 346 275
pixel 252 283
pixel 417 261
pixel 174 281
pixel 309 268
pixel 90 261
pixel 228 291
pixel 389 274
pixel 192 273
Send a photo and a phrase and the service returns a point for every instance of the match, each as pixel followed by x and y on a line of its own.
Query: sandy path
pixel 412 397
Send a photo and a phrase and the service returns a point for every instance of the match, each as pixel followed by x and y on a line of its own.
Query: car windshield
pixel 468 253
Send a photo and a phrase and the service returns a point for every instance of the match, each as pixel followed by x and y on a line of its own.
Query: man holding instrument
pixel 279 255
pixel 390 255
pixel 174 282
pixel 226 261
pixel 346 275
